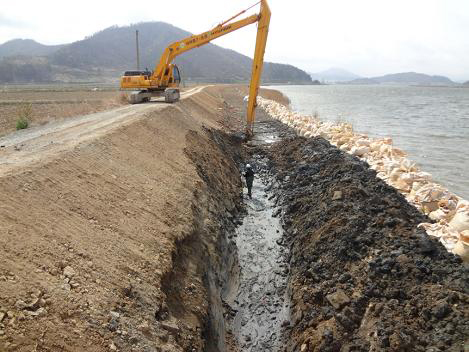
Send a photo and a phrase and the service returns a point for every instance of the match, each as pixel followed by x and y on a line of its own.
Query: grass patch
pixel 21 124
pixel 25 112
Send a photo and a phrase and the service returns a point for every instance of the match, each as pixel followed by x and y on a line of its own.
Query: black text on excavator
pixel 165 79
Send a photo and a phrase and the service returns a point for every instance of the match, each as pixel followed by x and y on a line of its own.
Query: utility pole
pixel 138 52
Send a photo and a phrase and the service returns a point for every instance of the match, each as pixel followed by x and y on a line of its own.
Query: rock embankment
pixel 450 212
pixel 363 275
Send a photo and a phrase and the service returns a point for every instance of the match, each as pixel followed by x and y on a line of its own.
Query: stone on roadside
pixel 41 311
pixel 338 299
pixel 69 272
pixel 337 195
pixel 20 304
pixel 34 304
pixel 36 313
pixel 144 328
pixel 170 326
pixel 114 314
pixel 441 310
pixel 113 325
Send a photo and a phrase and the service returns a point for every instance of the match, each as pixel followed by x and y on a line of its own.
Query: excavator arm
pixel 177 48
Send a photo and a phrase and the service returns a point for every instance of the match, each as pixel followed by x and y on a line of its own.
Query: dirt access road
pixel 27 147
pixel 40 106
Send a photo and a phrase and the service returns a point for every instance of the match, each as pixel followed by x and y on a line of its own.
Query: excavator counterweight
pixel 164 80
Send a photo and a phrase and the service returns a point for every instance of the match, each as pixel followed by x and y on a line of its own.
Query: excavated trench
pixel 237 250
pixel 298 268
pixel 249 306
pixel 260 302
pixel 260 299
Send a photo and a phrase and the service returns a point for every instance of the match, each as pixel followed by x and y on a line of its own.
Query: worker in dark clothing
pixel 249 176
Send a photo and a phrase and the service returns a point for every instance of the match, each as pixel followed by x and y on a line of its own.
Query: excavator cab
pixel 176 75
pixel 144 87
pixel 135 79
pixel 173 76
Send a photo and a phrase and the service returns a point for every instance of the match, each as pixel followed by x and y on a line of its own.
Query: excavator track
pixel 170 96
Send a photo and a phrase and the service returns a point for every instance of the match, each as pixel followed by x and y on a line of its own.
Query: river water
pixel 430 123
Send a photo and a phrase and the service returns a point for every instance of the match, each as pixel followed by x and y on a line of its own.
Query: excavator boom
pixel 177 48
pixel 165 79
pixel 257 65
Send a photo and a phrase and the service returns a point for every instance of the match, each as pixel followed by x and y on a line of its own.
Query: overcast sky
pixel 367 37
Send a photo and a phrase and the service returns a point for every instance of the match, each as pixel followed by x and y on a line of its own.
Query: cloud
pixel 368 36
pixel 12 23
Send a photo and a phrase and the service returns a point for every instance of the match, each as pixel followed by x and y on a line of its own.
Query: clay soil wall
pixel 93 241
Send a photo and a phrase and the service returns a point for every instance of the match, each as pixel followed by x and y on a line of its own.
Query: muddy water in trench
pixel 262 306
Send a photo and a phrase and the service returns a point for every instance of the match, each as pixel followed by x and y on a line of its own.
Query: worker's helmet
pixel 248 166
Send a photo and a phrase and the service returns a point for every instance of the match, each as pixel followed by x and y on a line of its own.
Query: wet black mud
pixel 363 276
pixel 261 300
pixel 262 307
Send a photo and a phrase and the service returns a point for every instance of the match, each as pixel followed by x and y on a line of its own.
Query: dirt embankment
pixel 362 276
pixel 107 246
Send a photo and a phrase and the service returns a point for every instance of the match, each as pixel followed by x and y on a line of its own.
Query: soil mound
pixel 363 276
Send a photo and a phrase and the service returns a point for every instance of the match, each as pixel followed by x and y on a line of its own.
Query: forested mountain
pixel 108 52
pixel 26 47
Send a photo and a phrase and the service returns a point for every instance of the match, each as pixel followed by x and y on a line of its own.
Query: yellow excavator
pixel 165 79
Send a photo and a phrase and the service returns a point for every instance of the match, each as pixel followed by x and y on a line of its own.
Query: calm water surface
pixel 430 123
